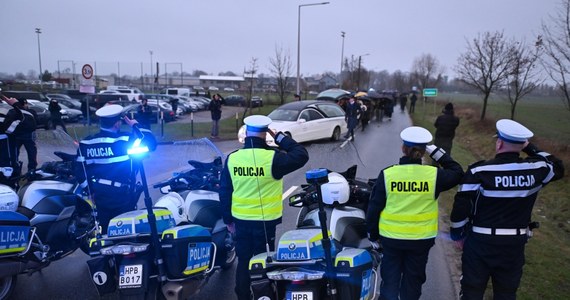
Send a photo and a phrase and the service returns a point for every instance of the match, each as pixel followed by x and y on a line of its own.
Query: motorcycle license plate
pixel 299 296
pixel 130 276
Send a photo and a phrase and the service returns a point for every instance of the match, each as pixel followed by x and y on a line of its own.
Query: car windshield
pixel 284 115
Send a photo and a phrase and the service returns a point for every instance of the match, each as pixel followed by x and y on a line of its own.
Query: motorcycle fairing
pixel 14 233
pixel 301 244
pixel 136 222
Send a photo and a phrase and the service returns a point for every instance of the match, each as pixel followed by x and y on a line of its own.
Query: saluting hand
pixel 129 121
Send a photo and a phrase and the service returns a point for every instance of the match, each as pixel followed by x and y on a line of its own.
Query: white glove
pixel 430 149
pixel 6 171
pixel 375 244
pixel 435 152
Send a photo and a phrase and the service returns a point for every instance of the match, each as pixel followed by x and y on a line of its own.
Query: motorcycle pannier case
pixel 187 250
pixel 354 274
pixel 136 222
pixel 8 199
pixel 14 233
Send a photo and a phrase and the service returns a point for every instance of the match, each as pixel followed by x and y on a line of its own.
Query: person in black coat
pixel 144 113
pixel 445 126
pixel 353 113
pixel 215 108
pixel 55 115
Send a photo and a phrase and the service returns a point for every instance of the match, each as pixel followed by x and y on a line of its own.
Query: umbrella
pixel 360 94
pixel 374 94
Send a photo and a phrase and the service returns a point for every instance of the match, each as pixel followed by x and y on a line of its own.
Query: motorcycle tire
pixel 7 285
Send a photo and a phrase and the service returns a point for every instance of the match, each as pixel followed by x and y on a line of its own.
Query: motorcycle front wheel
pixel 7 285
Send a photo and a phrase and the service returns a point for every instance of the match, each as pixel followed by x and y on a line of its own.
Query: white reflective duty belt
pixel 499 231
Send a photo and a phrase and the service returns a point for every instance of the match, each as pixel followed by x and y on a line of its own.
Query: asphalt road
pixel 375 148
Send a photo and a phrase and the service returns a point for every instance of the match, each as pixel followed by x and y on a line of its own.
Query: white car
pixel 304 121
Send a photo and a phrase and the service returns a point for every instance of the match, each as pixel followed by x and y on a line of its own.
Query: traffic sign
pixel 432 92
pixel 87 71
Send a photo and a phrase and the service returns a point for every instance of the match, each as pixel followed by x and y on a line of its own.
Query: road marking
pixel 345 142
pixel 289 192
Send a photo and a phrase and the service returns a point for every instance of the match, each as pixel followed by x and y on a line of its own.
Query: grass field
pixel 547 268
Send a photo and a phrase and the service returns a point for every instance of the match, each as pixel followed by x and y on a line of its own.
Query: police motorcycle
pixel 316 260
pixel 44 221
pixel 171 250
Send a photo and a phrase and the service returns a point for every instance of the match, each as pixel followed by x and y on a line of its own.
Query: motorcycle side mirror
pixel 165 189
pixel 296 201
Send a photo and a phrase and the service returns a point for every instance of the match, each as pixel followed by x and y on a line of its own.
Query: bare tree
pixel 485 64
pixel 523 77
pixel 281 68
pixel 427 71
pixel 401 81
pixel 556 43
pixel 251 75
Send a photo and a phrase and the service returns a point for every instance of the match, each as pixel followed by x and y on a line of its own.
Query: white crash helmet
pixel 336 190
pixel 175 204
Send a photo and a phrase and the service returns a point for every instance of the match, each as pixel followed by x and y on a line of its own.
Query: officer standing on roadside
pixel 110 171
pixel 492 210
pixel 403 213
pixel 21 126
pixel 7 150
pixel 251 192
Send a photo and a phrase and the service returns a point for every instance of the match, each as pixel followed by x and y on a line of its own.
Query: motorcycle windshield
pixel 51 141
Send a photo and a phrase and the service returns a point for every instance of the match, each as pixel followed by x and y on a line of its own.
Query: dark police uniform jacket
pixel 447 178
pixel 293 157
pixel 5 151
pixel 110 170
pixel 500 193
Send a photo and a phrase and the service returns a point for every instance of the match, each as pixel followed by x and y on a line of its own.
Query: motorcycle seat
pixel 215 164
pixel 204 212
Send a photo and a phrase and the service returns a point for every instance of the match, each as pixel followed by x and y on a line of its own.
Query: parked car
pixel 256 101
pixel 228 89
pixel 26 95
pixel 70 115
pixel 99 100
pixel 184 106
pixel 333 95
pixel 131 111
pixel 304 121
pixel 65 100
pixel 213 88
pixel 234 100
pixel 133 94
pixel 43 116
pixel 164 107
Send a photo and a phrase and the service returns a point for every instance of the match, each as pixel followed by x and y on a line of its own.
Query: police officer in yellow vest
pixel 252 189
pixel 403 213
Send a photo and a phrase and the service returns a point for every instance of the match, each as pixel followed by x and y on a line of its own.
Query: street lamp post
pixel 299 43
pixel 151 73
pixel 342 33
pixel 359 61
pixel 39 31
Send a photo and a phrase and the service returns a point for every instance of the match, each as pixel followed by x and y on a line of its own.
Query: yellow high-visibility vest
pixel 411 208
pixel 257 195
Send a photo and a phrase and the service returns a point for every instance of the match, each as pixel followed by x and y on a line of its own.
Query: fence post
pixel 161 124
pixel 237 128
pixel 192 124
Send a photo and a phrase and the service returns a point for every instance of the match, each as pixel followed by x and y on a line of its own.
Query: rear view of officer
pixel 403 213
pixel 492 211
pixel 110 171
pixel 251 192
pixel 7 149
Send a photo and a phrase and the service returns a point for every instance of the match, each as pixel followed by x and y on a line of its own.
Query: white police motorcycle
pixel 316 260
pixel 46 220
pixel 171 250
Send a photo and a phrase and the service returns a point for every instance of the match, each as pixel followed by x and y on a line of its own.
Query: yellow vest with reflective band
pixel 257 195
pixel 411 207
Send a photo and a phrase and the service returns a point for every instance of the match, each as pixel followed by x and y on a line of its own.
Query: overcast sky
pixel 224 35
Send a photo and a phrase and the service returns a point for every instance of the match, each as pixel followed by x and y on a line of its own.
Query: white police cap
pixel 416 136
pixel 257 123
pixel 512 132
pixel 109 111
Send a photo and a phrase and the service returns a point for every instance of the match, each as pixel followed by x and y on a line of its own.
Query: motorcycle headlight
pixel 124 249
pixel 295 274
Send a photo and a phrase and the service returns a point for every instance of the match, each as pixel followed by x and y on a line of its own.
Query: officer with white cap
pixel 492 210
pixel 403 213
pixel 111 173
pixel 251 190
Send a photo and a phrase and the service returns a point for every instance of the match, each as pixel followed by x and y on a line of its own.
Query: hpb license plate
pixel 130 276
pixel 299 295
